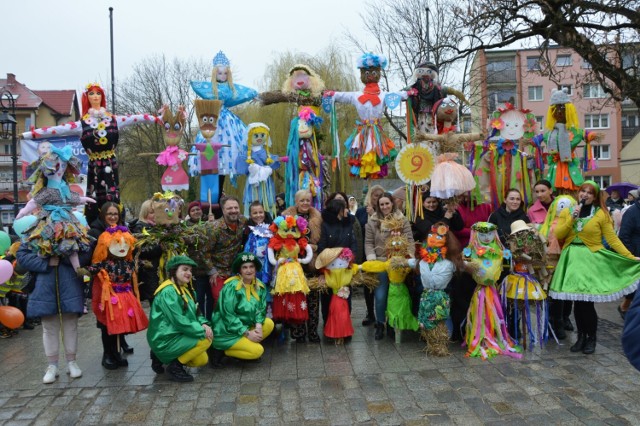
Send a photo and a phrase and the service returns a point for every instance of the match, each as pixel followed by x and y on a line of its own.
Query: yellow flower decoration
pixel 101 126
pixel 103 141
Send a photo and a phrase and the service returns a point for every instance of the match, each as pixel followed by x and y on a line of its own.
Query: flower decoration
pixel 507 146
pixel 308 115
pixel 497 123
pixel 530 125
pixel 506 254
pixel 440 230
pixel 103 140
pixel 114 300
pixel 302 224
pixel 481 251
pixel 130 312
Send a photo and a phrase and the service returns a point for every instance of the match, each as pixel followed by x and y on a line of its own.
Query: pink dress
pixel 174 177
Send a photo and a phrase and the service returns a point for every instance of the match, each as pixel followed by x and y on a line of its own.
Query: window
pixel 502 65
pixel 603 181
pixel 27 124
pixel 533 63
pixel 564 61
pixel 7 217
pixel 586 64
pixel 499 97
pixel 7 149
pixel 566 88
pixel 630 120
pixel 593 91
pixel 535 93
pixel 540 120
pixel 596 121
pixel 601 152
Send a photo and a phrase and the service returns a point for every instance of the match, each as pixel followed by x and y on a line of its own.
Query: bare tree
pixel 604 33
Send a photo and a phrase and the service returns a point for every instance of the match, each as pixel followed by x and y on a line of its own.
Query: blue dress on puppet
pixel 258 244
pixel 436 271
pixel 486 330
pixel 304 166
pixel 231 130
pixel 258 164
pixel 521 289
pixel 56 231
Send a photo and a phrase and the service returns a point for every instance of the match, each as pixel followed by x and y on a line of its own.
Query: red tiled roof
pixel 26 99
pixel 60 101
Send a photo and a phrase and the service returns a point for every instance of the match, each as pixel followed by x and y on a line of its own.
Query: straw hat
pixel 519 225
pixel 327 256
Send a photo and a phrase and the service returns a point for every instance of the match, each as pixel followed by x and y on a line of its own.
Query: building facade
pixel 521 77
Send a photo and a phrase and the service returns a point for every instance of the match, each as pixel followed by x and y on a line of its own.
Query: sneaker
pixel 73 370
pixel 50 375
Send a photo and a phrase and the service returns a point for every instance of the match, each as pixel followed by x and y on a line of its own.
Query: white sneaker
pixel 50 375
pixel 73 370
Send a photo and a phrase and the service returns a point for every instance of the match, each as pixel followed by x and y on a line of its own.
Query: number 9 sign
pixel 414 164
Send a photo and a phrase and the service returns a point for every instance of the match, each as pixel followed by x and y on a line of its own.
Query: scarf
pixel 370 93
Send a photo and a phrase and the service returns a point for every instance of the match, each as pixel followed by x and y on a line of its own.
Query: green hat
pixel 245 257
pixel 176 261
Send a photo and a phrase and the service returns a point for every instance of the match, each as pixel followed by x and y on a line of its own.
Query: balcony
pixel 502 76
pixel 630 132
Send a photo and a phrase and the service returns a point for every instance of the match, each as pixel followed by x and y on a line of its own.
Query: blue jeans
pixel 380 297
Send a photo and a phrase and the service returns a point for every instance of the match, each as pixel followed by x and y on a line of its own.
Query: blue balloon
pixel 24 223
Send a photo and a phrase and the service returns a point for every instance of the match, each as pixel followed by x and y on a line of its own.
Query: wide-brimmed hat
pixel 327 256
pixel 519 225
pixel 245 257
pixel 176 261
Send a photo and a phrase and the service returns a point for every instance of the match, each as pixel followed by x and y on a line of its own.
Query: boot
pixel 379 331
pixel 567 324
pixel 156 364
pixel 108 361
pixel 125 346
pixel 590 344
pixel 177 373
pixel 215 357
pixel 580 343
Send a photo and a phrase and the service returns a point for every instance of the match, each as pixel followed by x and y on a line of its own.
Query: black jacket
pixel 337 233
pixel 503 220
pixel 630 229
pixel 422 226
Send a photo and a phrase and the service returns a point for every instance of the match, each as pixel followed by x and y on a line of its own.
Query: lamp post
pixel 8 130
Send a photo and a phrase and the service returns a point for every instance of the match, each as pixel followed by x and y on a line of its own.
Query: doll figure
pixel 116 300
pixel 428 91
pixel 486 330
pixel 290 285
pixel 207 112
pixel 57 231
pixel 436 269
pixel 369 148
pixel 231 132
pixel 99 134
pixel 174 178
pixel 304 166
pixel 302 86
pixel 258 164
pixel 521 289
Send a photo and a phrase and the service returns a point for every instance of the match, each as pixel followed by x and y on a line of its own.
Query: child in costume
pixel 116 300
pixel 258 164
pixel 290 285
pixel 99 131
pixel 258 244
pixel 369 148
pixel 206 164
pixel 178 334
pixel 521 289
pixel 486 330
pixel 57 231
pixel 174 177
pixel 440 257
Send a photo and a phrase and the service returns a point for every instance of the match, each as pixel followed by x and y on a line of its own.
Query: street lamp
pixel 8 130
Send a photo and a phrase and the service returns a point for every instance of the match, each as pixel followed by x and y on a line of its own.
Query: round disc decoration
pixel 414 164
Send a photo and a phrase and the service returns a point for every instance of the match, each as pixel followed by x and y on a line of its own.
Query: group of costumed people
pixel 516 264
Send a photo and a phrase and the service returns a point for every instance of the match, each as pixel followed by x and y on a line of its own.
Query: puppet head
pixel 334 258
pixel 371 67
pixel 524 243
pixel 58 164
pixel 289 226
pixel 173 124
pixel 258 137
pixel 397 245
pixel 167 207
pixel 221 73
pixel 207 112
pixel 445 110
pixel 560 203
pixel 116 242
pixel 425 71
pixel 512 124
pixel 303 78
pixel 484 240
pixel 561 110
pixel 93 97
pixel 307 121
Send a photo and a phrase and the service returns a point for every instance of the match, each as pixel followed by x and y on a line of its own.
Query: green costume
pixel 173 330
pixel 240 307
pixel 564 172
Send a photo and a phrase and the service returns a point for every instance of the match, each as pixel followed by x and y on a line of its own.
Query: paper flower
pixel 497 123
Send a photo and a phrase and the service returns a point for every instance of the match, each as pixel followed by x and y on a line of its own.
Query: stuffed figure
pixel 99 134
pixel 427 92
pixel 291 287
pixel 436 269
pixel 547 231
pixel 116 300
pixel 231 132
pixel 174 178
pixel 207 161
pixel 486 330
pixel 369 148
pixel 258 164
pixel 258 245
pixel 302 87
pixel 57 231
pixel 521 289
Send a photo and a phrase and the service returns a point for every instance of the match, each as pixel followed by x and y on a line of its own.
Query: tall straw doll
pixel 174 177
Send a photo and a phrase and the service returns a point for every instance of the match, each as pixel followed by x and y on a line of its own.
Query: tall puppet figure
pixel 208 112
pixel 369 148
pixel 231 131
pixel 486 330
pixel 174 178
pixel 258 164
pixel 99 134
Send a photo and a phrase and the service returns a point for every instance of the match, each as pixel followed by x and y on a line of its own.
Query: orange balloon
pixel 11 317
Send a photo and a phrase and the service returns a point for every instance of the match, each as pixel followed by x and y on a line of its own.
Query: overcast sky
pixel 64 44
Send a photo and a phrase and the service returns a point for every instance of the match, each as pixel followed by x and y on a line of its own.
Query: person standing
pixel 511 210
pixel 630 236
pixel 544 197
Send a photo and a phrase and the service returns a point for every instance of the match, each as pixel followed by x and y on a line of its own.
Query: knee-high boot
pixel 108 361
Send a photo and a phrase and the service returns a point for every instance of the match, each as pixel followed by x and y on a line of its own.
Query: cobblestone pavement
pixel 362 382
